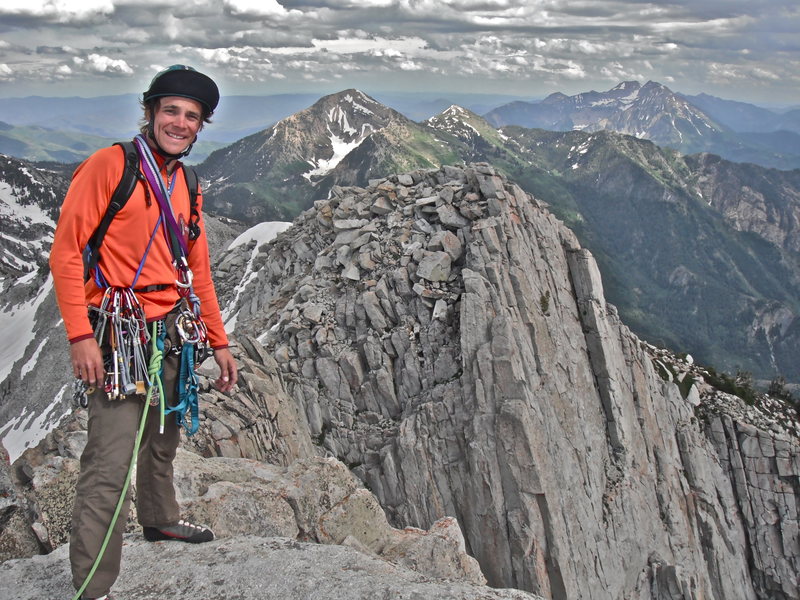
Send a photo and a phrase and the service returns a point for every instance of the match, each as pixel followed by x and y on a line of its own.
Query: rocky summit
pixel 431 374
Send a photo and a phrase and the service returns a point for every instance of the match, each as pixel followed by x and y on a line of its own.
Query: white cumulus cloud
pixel 256 8
pixel 531 46
pixel 103 64
pixel 62 11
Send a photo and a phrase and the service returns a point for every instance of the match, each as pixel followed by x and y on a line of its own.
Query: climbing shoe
pixel 183 531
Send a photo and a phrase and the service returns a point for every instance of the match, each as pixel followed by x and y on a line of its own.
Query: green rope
pixel 154 371
pixel 157 355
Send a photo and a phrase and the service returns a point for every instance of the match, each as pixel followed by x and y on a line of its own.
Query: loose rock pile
pixel 765 412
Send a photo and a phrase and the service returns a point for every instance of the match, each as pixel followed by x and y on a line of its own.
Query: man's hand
pixel 87 362
pixel 228 373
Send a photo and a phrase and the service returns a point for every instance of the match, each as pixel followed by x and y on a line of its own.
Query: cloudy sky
pixel 738 49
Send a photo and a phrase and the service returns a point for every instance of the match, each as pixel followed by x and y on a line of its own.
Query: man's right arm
pixel 83 207
pixel 87 361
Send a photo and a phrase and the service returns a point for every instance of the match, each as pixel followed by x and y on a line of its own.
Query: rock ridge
pixel 449 340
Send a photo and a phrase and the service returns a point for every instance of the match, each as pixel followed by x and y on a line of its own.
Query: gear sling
pixel 131 175
pixel 122 311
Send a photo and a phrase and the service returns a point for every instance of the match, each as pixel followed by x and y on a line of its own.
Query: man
pixel 137 264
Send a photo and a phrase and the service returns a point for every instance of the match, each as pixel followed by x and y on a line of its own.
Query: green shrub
pixel 777 389
pixel 544 302
pixel 740 385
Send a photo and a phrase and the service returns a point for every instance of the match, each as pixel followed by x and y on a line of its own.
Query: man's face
pixel 176 123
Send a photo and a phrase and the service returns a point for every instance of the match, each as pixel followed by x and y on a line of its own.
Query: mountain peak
pixel 626 86
pixel 654 86
pixel 460 122
pixel 555 98
pixel 354 96
pixel 338 124
pixel 455 110
pixel 650 111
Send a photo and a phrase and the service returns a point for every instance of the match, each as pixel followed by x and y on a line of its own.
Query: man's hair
pixel 150 107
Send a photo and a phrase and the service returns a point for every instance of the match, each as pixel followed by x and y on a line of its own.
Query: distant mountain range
pixel 41 144
pixel 117 117
pixel 743 117
pixel 652 111
pixel 699 254
pixel 734 130
pixel 37 143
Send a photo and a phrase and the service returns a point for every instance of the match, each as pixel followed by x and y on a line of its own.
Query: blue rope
pixel 188 386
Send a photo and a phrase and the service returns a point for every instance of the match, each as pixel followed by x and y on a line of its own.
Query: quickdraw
pixel 191 329
pixel 193 349
pixel 80 393
pixel 120 327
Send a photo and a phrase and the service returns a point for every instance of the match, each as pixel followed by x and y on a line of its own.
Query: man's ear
pixel 151 108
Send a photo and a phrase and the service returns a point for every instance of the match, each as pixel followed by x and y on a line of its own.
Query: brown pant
pixel 112 429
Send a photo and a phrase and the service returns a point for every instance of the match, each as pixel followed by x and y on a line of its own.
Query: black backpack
pixel 130 176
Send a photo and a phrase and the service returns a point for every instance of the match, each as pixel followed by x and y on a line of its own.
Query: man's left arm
pixel 228 372
pixel 200 264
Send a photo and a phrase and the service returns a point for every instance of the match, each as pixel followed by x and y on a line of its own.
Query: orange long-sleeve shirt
pixel 124 245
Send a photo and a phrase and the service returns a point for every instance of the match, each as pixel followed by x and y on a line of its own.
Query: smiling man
pixel 138 317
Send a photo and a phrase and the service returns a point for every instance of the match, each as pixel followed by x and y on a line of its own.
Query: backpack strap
pixel 127 183
pixel 123 191
pixel 194 213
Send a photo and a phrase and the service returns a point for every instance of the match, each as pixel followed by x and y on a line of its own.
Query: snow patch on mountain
pixel 31 364
pixel 17 324
pixel 29 429
pixel 454 119
pixel 357 105
pixel 261 234
pixel 340 148
pixel 22 219
pixel 11 207
pixel 339 116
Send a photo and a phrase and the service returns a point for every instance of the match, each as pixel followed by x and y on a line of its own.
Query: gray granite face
pixel 475 369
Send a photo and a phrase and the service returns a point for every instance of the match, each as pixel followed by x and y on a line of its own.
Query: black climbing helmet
pixel 183 81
